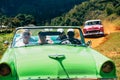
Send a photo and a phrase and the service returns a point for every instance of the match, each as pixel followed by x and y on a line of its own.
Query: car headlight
pixel 107 67
pixel 4 69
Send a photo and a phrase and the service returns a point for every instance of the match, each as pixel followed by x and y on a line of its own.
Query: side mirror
pixel 6 43
pixel 89 43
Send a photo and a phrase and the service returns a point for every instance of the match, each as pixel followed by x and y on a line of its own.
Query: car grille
pixel 93 31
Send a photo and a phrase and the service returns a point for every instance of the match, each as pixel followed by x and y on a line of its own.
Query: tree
pixel 22 20
pixel 109 9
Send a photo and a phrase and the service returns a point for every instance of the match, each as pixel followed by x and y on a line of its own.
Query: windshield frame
pixel 51 27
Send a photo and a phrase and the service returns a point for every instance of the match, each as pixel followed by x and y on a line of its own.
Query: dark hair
pixel 41 34
pixel 26 33
pixel 70 34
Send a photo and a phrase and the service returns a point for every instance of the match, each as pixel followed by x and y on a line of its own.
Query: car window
pixel 44 36
pixel 93 23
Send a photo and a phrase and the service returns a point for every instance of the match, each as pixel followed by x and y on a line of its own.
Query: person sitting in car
pixel 42 38
pixel 62 35
pixel 25 39
pixel 71 38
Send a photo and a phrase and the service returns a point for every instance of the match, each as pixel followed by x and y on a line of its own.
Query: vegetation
pixel 111 49
pixel 18 20
pixel 3 38
pixel 92 9
pixel 41 10
pixel 75 14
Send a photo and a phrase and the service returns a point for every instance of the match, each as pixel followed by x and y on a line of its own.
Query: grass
pixel 111 49
pixel 114 19
pixel 3 38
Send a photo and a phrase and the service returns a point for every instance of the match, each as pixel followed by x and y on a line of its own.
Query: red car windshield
pixel 93 23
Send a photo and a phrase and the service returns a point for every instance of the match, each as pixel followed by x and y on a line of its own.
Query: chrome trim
pixel 73 79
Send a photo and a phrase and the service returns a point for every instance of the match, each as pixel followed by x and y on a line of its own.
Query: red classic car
pixel 93 27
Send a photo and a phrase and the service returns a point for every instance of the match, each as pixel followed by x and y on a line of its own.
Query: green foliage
pixel 79 14
pixel 118 10
pixel 3 38
pixel 22 19
pixel 42 10
pixel 18 20
pixel 93 9
pixel 42 15
pixel 109 9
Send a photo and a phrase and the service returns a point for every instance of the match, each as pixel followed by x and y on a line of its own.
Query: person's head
pixel 62 33
pixel 70 33
pixel 26 36
pixel 42 38
pixel 60 30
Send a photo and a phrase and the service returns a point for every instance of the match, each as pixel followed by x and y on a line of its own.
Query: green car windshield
pixel 27 36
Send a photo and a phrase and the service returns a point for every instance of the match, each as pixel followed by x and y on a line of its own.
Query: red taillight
pixel 101 29
pixel 4 69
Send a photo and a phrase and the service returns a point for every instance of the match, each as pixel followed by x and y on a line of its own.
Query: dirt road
pixel 108 28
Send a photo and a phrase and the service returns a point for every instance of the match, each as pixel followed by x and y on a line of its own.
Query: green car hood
pixel 57 62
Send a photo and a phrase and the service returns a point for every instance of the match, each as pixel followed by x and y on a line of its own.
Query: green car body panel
pixel 79 62
pixel 54 62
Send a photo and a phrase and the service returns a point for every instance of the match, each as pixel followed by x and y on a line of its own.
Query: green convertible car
pixel 54 53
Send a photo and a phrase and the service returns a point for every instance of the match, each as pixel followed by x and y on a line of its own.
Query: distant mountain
pixel 41 9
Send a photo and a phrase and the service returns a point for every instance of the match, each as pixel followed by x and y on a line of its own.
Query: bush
pixel 109 11
pixel 118 11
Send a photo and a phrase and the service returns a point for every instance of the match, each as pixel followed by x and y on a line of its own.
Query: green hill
pixel 42 10
pixel 60 12
pixel 92 9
